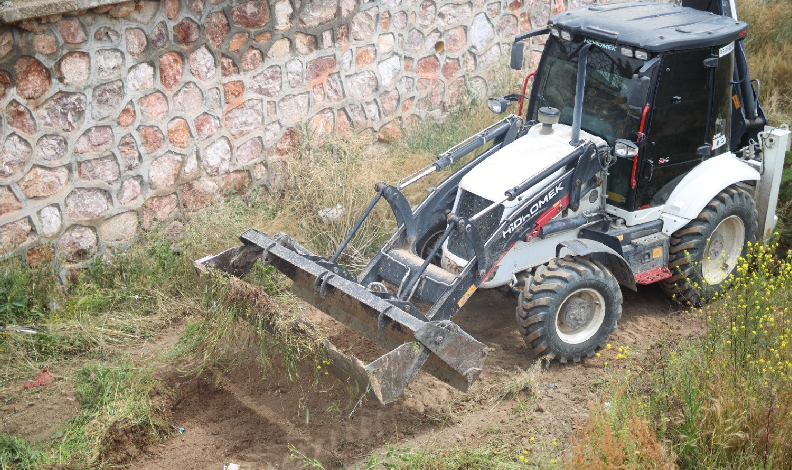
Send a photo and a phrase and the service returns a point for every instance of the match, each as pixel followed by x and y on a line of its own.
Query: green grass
pixel 115 408
pixel 16 453
pixel 25 293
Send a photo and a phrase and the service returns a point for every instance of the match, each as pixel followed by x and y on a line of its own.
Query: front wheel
pixel 569 308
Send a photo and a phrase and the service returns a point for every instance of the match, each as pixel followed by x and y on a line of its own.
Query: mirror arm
pixel 530 34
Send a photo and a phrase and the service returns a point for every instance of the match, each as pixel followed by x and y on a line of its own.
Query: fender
pixel 702 184
pixel 602 253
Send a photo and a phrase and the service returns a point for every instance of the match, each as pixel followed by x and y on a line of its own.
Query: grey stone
pixel 245 118
pixel 15 155
pixel 364 24
pixel 87 203
pixel 268 82
pixel 481 32
pixel 217 157
pixel 361 84
pixel 51 147
pixel 294 72
pixel 106 98
pixel 189 98
pixel 128 153
pixel 51 221
pixel 119 228
pixel 141 77
pixel 164 171
pixel 283 11
pixel 202 63
pixel 250 151
pixel 77 243
pixel 294 108
pixel 109 63
pixel 452 14
pixel 103 169
pixel 318 12
pixel 389 69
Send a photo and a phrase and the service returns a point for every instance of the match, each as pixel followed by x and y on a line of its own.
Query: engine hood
pixel 520 160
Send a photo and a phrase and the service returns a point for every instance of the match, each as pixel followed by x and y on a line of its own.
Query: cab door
pixel 677 127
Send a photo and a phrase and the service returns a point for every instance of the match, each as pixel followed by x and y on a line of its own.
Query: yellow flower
pixel 608 346
pixel 532 439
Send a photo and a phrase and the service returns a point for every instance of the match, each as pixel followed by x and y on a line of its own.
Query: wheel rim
pixel 723 250
pixel 580 316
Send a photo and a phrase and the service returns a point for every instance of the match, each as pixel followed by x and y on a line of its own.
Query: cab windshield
pixel 608 73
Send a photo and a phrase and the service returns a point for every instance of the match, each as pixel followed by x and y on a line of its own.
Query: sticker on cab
pixel 718 141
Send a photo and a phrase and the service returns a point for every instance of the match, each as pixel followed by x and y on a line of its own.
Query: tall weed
pixel 726 399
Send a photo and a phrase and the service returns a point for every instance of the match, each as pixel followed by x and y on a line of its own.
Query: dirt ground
pixel 243 419
pixel 252 419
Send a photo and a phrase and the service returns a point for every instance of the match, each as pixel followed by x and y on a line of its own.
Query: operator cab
pixel 658 86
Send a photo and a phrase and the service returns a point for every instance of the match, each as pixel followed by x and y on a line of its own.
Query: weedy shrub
pixel 726 398
pixel 617 434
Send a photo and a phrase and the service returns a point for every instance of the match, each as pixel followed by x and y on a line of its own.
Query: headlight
pixel 555 32
pixel 625 149
pixel 497 105
pixel 566 35
pixel 627 51
pixel 642 55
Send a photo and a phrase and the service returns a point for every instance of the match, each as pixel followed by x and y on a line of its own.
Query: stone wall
pixel 134 113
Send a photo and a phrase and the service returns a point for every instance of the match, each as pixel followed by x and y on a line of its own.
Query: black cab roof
pixel 652 26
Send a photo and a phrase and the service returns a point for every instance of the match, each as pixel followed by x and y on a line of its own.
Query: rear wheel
pixel 569 308
pixel 704 253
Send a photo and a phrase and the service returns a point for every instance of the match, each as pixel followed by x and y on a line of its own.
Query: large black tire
pixel 569 308
pixel 700 257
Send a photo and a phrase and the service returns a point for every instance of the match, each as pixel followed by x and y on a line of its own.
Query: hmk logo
pixel 535 208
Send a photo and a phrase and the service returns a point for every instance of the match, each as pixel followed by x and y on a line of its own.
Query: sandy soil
pixel 252 420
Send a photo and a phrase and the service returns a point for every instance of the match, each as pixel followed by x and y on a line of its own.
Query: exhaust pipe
pixel 577 115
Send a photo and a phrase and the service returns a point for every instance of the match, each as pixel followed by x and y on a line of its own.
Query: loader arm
pixel 415 339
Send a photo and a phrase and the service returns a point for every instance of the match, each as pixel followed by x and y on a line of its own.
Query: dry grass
pixel 769 50
pixel 613 438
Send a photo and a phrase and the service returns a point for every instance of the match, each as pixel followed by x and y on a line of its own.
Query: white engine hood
pixel 520 160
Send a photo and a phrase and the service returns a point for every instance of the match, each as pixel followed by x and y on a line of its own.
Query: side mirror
pixel 497 105
pixel 517 51
pixel 625 149
pixel 637 90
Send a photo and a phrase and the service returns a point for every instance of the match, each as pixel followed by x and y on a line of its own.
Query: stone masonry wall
pixel 134 113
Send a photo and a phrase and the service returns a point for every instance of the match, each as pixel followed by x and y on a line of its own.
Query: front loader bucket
pixel 440 347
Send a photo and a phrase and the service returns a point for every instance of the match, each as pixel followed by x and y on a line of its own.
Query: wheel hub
pixel 578 313
pixel 723 250
pixel 580 316
pixel 716 245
